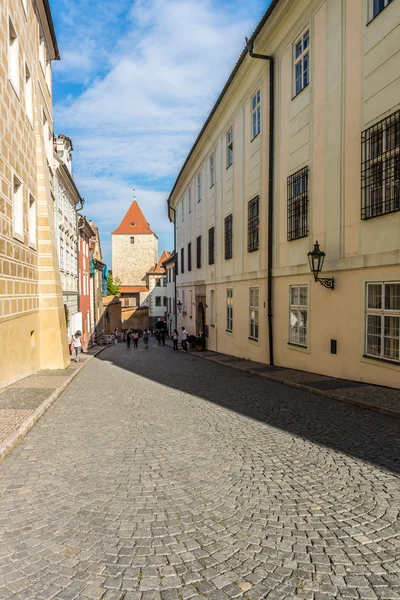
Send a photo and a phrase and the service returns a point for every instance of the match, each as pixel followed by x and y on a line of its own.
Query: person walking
pixel 175 339
pixel 76 344
pixel 135 338
pixel 163 337
pixel 146 339
pixel 128 339
pixel 158 335
pixel 184 339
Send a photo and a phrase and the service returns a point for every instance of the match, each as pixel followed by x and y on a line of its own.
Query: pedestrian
pixel 163 337
pixel 76 344
pixel 175 339
pixel 158 335
pixel 128 339
pixel 146 339
pixel 184 339
pixel 135 338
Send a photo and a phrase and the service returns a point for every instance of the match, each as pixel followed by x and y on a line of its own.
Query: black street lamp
pixel 316 260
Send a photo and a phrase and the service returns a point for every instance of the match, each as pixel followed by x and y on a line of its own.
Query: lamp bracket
pixel 328 282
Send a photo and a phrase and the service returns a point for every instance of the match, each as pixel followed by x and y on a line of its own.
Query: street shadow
pixel 357 432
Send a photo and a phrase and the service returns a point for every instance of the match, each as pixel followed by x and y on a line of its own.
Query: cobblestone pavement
pixel 160 476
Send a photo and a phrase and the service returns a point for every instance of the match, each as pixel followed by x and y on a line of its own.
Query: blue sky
pixel 135 82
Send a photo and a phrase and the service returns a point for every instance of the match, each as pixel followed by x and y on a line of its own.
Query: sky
pixel 135 83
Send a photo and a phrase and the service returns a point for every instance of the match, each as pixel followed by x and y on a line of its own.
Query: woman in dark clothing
pixel 163 337
pixel 128 339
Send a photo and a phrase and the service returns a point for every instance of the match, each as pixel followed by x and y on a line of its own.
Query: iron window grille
pixel 228 237
pixel 253 224
pixel 380 168
pixel 297 206
pixel 182 260
pixel 189 256
pixel 382 316
pixel 211 246
pixel 198 253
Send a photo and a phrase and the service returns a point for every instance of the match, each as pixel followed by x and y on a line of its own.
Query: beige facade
pixel 337 99
pixel 32 319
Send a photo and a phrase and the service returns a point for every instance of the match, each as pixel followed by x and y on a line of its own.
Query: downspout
pixel 250 45
pixel 174 222
pixel 79 227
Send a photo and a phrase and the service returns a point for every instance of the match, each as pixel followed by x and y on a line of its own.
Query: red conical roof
pixel 134 222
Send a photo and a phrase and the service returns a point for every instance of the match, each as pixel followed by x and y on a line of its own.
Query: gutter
pixel 51 27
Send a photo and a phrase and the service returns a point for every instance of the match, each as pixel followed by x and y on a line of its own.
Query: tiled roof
pixel 133 289
pixel 134 222
pixel 159 268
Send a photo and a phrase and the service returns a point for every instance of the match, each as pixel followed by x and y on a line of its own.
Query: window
pixel 198 252
pixel 256 113
pixel 189 256
pixel 211 246
pixel 182 260
pixel 48 145
pixel 132 240
pixel 380 168
pixel 228 237
pixel 182 209
pixel 377 6
pixel 170 305
pixel 18 209
pixel 229 148
pixel 28 94
pixel 42 52
pixel 25 5
pixel 13 56
pixel 32 221
pixel 61 253
pixel 229 310
pixel 190 199
pixel 165 301
pixel 158 282
pixel 212 169
pixel 169 275
pixel 301 62
pixel 48 75
pixel 383 321
pixel 158 300
pixel 253 225
pixel 212 308
pixel 254 301
pixel 199 187
pixel 297 205
pixel 164 282
pixel 298 315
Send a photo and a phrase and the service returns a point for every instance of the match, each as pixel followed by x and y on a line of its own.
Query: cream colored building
pixel 303 144
pixel 32 319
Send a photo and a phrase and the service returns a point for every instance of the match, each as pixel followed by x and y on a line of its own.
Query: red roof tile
pixel 133 289
pixel 133 222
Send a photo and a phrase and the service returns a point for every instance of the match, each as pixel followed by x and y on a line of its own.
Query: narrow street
pixel 161 476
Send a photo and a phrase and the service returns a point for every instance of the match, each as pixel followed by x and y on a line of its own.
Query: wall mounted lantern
pixel 179 306
pixel 316 260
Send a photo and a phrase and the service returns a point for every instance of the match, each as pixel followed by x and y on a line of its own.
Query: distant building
pixel 169 266
pixel 96 285
pixel 86 234
pixel 157 299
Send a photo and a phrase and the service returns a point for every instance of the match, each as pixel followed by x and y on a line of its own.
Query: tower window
pixel 132 240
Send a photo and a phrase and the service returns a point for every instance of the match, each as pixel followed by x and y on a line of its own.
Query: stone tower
pixel 134 248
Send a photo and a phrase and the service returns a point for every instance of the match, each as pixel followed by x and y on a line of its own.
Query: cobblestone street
pixel 160 476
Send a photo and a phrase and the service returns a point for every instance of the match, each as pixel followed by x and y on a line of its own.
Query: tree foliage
pixel 113 286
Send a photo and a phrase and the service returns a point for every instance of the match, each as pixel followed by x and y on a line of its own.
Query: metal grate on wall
pixel 228 237
pixel 297 204
pixel 211 246
pixel 253 223
pixel 380 168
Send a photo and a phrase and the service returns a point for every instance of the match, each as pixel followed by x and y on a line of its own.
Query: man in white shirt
pixel 184 339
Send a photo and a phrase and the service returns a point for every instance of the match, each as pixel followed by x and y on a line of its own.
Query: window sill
pixel 228 257
pixel 18 236
pixel 249 250
pixel 252 339
pixel 377 15
pixel 14 87
pixel 300 347
pixel 212 325
pixel 229 331
pixel 256 136
pixel 302 89
pixel 382 360
pixel 211 186
pixel 297 237
pixel 229 166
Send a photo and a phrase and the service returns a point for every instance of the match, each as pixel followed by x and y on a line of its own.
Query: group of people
pixel 132 335
pixel 161 335
pixel 175 340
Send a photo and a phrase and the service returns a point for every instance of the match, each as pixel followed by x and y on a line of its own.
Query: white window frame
pixel 28 94
pixel 381 313
pixel 372 15
pixel 32 222
pixel 13 56
pixel 229 309
pixel 229 147
pixel 256 114
pixel 254 313
pixel 189 199
pixel 303 59
pixel 183 209
pixel 48 145
pixel 212 170
pixel 18 208
pixel 42 52
pixel 296 320
pixel 212 308
pixel 199 187
pixel 49 76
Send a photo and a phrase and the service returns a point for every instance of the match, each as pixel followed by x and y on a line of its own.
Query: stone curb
pixel 301 386
pixel 12 440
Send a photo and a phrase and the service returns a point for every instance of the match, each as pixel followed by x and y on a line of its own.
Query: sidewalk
pixel 385 401
pixel 24 402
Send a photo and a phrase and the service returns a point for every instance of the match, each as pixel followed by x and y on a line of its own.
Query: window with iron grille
pixel 380 168
pixel 229 309
pixel 198 248
pixel 253 224
pixel 211 246
pixel 182 260
pixel 297 207
pixel 189 256
pixel 228 237
pixel 383 320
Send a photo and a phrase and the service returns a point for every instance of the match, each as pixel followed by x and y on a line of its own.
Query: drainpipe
pixel 81 202
pixel 174 222
pixel 250 45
